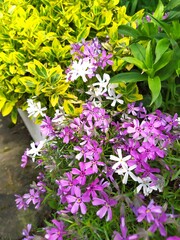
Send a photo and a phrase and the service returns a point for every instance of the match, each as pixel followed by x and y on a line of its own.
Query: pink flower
pixel 107 204
pixel 78 200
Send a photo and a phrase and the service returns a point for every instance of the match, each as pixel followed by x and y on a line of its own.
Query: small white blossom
pixel 115 99
pixel 102 82
pixel 145 185
pixel 126 172
pixel 80 68
pixel 34 109
pixel 111 88
pixel 121 161
pixel 35 149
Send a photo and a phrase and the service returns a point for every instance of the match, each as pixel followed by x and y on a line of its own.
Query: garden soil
pixel 14 139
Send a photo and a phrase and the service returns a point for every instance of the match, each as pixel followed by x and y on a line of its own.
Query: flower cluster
pixel 101 161
pixel 89 161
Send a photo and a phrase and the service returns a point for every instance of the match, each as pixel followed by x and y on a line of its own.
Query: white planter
pixel 34 129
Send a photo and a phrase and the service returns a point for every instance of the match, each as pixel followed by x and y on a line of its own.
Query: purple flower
pixel 84 171
pixel 107 204
pixel 34 197
pixel 26 232
pixel 46 127
pixel 69 184
pixel 123 235
pixel 78 201
pixel 57 232
pixel 24 159
pixel 158 224
pixel 92 188
pixel 20 202
pixel 148 212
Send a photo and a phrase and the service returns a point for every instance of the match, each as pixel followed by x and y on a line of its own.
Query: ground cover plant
pixel 105 167
pixel 102 78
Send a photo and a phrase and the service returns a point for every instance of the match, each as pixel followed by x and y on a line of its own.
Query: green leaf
pixel 163 61
pixel 159 10
pixel 172 4
pixel 128 77
pixel 155 87
pixel 138 51
pixel 149 55
pixel 83 34
pixel 161 47
pixel 135 61
pixel 40 69
pixel 14 114
pixel 7 108
pixel 128 31
pixel 54 99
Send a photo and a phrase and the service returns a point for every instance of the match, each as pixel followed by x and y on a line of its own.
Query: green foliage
pixel 35 43
pixel 155 53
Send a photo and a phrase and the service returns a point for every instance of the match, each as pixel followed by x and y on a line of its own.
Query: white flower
pixel 145 185
pixel 111 87
pixel 94 93
pixel 34 108
pixel 126 172
pixel 115 99
pixel 103 82
pixel 59 116
pixel 35 149
pixel 120 160
pixel 80 68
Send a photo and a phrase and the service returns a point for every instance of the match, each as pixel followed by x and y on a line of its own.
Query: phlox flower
pixel 148 213
pixel 115 99
pixel 105 59
pixel 137 129
pixel 145 184
pixel 173 238
pixel 57 232
pixel 102 82
pixel 34 109
pixel 34 197
pixel 84 171
pixel 24 159
pixel 35 149
pixel 26 232
pixel 20 202
pixel 121 161
pixel 67 185
pixel 107 204
pixel 81 68
pixel 78 201
pixel 158 224
pixel 92 188
pixel 46 127
pixel 123 235
pixel 126 172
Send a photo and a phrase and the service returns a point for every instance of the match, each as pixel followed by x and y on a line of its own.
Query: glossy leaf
pixel 155 87
pixel 128 77
pixel 161 47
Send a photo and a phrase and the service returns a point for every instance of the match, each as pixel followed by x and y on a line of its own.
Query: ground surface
pixel 13 179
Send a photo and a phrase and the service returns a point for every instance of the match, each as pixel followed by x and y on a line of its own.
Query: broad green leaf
pixel 159 10
pixel 161 24
pixel 7 108
pixel 138 51
pixel 128 31
pixel 172 4
pixel 163 61
pixel 135 61
pixel 149 55
pixel 83 34
pixel 161 47
pixel 155 87
pixel 128 77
